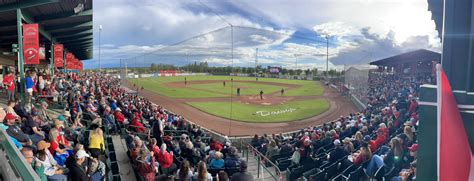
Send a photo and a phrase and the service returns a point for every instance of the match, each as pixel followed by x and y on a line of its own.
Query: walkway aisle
pixel 252 168
pixel 126 171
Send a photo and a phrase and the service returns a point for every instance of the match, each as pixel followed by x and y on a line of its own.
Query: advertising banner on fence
pixel 58 55
pixel 31 44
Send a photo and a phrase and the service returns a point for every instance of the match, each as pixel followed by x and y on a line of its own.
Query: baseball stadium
pixel 205 90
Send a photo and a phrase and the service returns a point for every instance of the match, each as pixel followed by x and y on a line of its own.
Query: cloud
pixel 359 31
pixel 370 47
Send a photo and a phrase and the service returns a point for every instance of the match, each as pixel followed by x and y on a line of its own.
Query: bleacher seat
pixel 331 170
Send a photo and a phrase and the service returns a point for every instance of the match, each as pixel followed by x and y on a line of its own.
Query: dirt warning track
pixel 338 106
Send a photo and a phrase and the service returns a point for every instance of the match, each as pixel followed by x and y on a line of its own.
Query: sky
pixel 287 33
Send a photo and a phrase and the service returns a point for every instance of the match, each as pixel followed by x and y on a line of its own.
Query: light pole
pixel 100 29
pixel 256 61
pixel 327 54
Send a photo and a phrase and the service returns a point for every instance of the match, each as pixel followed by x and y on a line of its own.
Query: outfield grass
pixel 249 112
pixel 245 88
pixel 156 84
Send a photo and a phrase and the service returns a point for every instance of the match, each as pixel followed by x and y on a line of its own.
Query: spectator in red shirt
pixel 380 140
pixel 413 106
pixel 215 145
pixel 119 116
pixel 139 127
pixel 145 168
pixel 165 159
pixel 9 81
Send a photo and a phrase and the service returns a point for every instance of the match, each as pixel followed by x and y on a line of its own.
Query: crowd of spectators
pixel 378 142
pixel 162 145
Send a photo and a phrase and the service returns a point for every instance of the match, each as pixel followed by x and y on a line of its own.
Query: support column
pixel 458 63
pixel 21 61
pixel 51 61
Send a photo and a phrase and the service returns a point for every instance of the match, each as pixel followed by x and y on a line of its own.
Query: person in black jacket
pixel 76 170
pixel 242 175
pixel 338 152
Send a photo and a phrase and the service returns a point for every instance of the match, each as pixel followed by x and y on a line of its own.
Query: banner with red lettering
pixel 58 55
pixel 31 44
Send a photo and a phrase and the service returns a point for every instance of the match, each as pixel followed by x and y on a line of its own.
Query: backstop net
pixel 356 82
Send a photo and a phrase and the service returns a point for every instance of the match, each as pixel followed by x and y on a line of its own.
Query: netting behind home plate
pixel 356 81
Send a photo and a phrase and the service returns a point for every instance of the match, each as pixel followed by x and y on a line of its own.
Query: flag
pixel 58 55
pixel 31 44
pixel 455 159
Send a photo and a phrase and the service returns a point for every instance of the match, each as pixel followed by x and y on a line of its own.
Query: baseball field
pixel 300 99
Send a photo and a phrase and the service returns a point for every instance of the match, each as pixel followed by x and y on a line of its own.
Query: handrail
pixel 17 162
pixel 262 159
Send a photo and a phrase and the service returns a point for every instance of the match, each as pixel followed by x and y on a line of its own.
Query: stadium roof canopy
pixel 65 22
pixel 409 57
pixel 436 8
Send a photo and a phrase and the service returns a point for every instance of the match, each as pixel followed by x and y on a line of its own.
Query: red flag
pixel 31 43
pixel 69 59
pixel 454 152
pixel 58 55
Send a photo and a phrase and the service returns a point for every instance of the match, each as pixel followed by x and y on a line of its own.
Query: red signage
pixel 58 55
pixel 81 66
pixel 31 44
pixel 69 59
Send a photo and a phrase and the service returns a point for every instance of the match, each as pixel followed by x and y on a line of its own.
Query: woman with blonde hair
pixel 59 154
pixel 358 139
pixel 217 162
pixel 272 149
pixel 409 132
pixel 202 174
pixel 96 142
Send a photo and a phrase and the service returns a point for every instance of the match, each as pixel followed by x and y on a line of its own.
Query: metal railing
pixel 15 160
pixel 262 161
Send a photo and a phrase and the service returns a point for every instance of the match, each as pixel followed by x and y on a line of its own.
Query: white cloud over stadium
pixel 282 30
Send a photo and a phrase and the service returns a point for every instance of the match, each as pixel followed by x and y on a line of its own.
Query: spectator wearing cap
pixel 76 170
pixel 338 152
pixel 165 159
pixel 96 142
pixel 36 165
pixel 232 160
pixel 242 175
pixel 32 128
pixel 14 131
pixel 413 152
pixel 52 170
pixel 119 117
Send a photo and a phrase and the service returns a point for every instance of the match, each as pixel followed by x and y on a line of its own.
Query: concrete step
pixel 126 170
